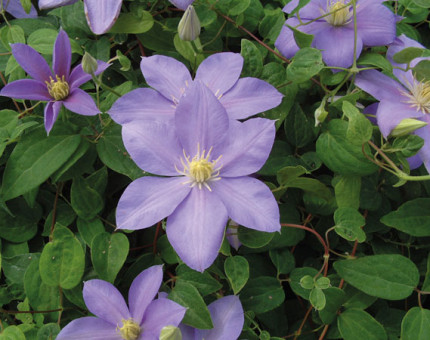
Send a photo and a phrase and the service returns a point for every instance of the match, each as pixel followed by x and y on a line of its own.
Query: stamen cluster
pixel 59 88
pixel 130 330
pixel 340 14
pixel 419 96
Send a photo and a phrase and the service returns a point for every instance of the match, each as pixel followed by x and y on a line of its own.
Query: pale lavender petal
pixel 196 228
pixel 200 120
pixel 142 104
pixel 79 77
pixel 44 4
pixel 424 152
pixel 52 109
pixel 248 146
pixel 220 71
pixel 89 328
pixel 249 202
pixel 62 55
pixel 227 317
pixel 182 4
pixel 166 75
pixel 102 14
pixel 15 8
pixel 311 11
pixel 81 102
pixel 232 236
pixel 370 112
pixel 32 62
pixel 250 96
pixel 187 332
pixel 378 85
pixel 26 89
pixel 105 301
pixel 376 25
pixel 148 200
pixel 154 146
pixel 415 161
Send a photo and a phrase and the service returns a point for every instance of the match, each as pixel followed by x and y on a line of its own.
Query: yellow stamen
pixel 419 96
pixel 130 330
pixel 59 88
pixel 339 13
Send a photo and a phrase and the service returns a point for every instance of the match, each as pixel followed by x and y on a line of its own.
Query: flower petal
pixel 81 102
pixel 52 109
pixel 44 4
pixel 148 200
pixel 424 152
pixel 196 228
pixel 249 202
pixel 89 328
pixel 15 8
pixel 62 56
pixel 32 62
pixel 250 96
pixel 79 77
pixel 182 4
pixel 105 301
pixel 310 11
pixel 26 89
pixel 102 14
pixel 378 85
pixel 166 75
pixel 376 25
pixel 187 332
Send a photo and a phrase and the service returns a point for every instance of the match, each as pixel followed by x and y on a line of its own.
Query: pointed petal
pixel 102 14
pixel 249 202
pixel 32 62
pixel 196 228
pixel 81 102
pixel 424 152
pixel 44 4
pixel 89 328
pixel 166 75
pixel 415 161
pixel 182 4
pixel 105 301
pixel 378 85
pixel 26 89
pixel 62 56
pixel 376 25
pixel 142 104
pixel 285 42
pixel 52 109
pixel 79 77
pixel 250 96
pixel 148 200
pixel 15 8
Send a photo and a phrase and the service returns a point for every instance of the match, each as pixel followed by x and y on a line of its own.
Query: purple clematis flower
pixel 207 158
pixel 101 14
pixel 58 87
pixel 170 78
pixel 182 4
pixel 144 320
pixel 14 8
pixel 334 33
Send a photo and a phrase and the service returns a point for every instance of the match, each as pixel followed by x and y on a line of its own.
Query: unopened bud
pixel 170 333
pixel 89 64
pixel 189 26
pixel 320 114
pixel 406 126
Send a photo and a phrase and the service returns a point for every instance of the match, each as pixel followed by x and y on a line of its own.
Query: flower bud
pixel 407 126
pixel 170 333
pixel 320 114
pixel 189 26
pixel 89 64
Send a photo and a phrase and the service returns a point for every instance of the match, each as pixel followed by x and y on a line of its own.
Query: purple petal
pixel 249 202
pixel 250 96
pixel 105 301
pixel 196 228
pixel 376 25
pixel 187 332
pixel 62 56
pixel 415 161
pixel 220 71
pixel 15 8
pixel 154 146
pixel 310 11
pixel 227 317
pixel 26 89
pixel 182 4
pixel 378 85
pixel 44 4
pixel 81 102
pixel 248 146
pixel 424 152
pixel 148 200
pixel 79 77
pixel 285 42
pixel 142 104
pixel 102 14
pixel 32 62
pixel 52 109
pixel 166 75
pixel 89 328
pixel 143 290
pixel 232 236
pixel 200 120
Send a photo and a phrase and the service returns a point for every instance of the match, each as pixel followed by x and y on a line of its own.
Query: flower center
pixel 419 95
pixel 59 88
pixel 130 330
pixel 339 13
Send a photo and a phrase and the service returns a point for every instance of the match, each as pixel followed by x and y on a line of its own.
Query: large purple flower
pixel 334 33
pixel 57 87
pixel 170 78
pixel 14 8
pixel 207 158
pixel 144 320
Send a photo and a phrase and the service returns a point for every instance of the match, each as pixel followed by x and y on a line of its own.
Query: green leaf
pixel 204 282
pixel 426 284
pixel 359 128
pixel 168 254
pixel 14 268
pixel 422 3
pixel 303 40
pixel 186 49
pixel 262 294
pixel 283 260
pixel 422 70
pixel 306 63
pixel 416 324
pixel 349 223
pixel 237 271
pixel 26 4
pixel 271 24
pixel 307 282
pixel 88 229
pixel 48 331
pixel 253 238
pixel 43 40
pixel 347 191
pixel 253 60
pixel 317 298
pixel 86 201
pixel 391 277
pixel 408 145
pixel 322 282
pixel 12 333
pixel 375 59
pixel 133 22
pixel 334 299
pixel 408 54
pixel 299 129
pixel 295 278
pixel 355 324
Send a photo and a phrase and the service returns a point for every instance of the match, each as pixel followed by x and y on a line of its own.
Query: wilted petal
pixel 26 89
pixel 44 4
pixel 15 8
pixel 52 109
pixel 196 228
pixel 79 77
pixel 378 85
pixel 249 202
pixel 148 200
pixel 182 4
pixel 376 25
pixel 89 328
pixel 102 14
pixel 105 301
pixel 32 62
pixel 81 102
pixel 62 55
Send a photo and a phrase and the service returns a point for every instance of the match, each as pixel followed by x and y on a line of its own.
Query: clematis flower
pixel 334 33
pixel 58 87
pixel 101 14
pixel 206 158
pixel 182 4
pixel 170 78
pixel 15 8
pixel 115 321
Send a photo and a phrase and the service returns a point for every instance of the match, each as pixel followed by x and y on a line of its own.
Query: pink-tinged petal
pixel 378 85
pixel 154 146
pixel 220 71
pixel 32 62
pixel 248 147
pixel 89 328
pixel 15 8
pixel 105 301
pixel 81 102
pixel 161 313
pixel 62 56
pixel 101 14
pixel 196 228
pixel 166 75
pixel 79 77
pixel 45 4
pixel 142 104
pixel 143 290
pixel 148 200
pixel 227 317
pixel 200 120
pixel 250 96
pixel 249 202
pixel 26 89
pixel 52 109
pixel 376 25
pixel 182 4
